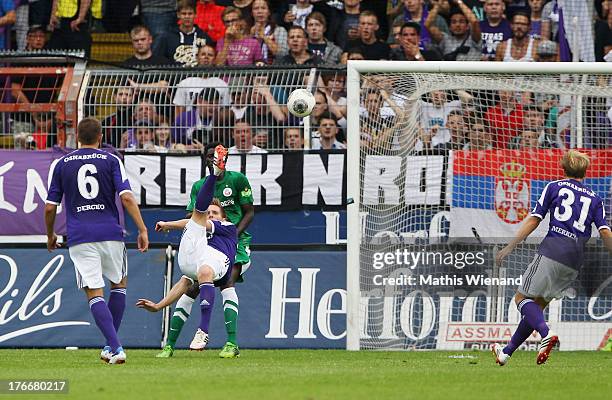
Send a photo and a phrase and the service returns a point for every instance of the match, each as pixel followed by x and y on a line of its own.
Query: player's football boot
pixel 166 352
pixel 106 354
pixel 608 346
pixel 118 356
pixel 200 340
pixel 230 350
pixel 501 358
pixel 219 159
pixel 546 346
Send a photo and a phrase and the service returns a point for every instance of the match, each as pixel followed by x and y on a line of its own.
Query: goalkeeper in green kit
pixel 234 191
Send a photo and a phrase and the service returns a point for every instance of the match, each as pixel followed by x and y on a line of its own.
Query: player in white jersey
pixel 206 252
pixel 574 208
pixel 89 179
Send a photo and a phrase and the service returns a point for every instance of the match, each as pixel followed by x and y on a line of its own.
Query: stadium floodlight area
pixel 446 159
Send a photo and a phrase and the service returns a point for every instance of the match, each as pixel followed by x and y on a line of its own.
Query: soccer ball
pixel 300 103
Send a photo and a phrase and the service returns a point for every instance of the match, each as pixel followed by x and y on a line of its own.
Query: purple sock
pixel 207 300
pixel 104 320
pixel 116 305
pixel 534 316
pixel 523 331
pixel 205 195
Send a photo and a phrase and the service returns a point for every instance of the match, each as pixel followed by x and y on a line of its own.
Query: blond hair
pixel 575 164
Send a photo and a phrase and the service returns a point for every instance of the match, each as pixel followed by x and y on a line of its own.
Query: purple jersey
pixel 90 180
pixel 224 237
pixel 493 35
pixel 574 208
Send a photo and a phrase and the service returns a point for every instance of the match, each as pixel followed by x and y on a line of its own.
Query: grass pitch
pixel 314 374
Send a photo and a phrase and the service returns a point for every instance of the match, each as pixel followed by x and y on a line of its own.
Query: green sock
pixel 176 324
pixel 181 313
pixel 230 313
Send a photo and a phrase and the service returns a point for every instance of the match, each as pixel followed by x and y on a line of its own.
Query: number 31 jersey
pixel 574 208
pixel 89 179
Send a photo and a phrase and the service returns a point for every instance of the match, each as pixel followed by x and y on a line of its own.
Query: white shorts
pixel 96 260
pixel 194 252
pixel 546 278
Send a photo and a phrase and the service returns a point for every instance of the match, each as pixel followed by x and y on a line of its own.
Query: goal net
pixel 446 160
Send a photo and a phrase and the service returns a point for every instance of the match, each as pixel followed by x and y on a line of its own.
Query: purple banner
pixel 23 190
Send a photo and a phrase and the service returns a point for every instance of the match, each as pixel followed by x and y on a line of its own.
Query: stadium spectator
pixel 318 45
pixel 464 41
pixel 455 125
pixel 194 127
pixel 396 34
pixel 265 115
pixel 433 117
pixel 299 54
pixel 142 42
pixel 547 51
pixel 163 141
pixel 272 37
pixel 520 47
pixel 550 21
pixel 410 50
pixel 348 24
pixel 332 85
pixel 207 55
pixel 534 120
pixel 159 16
pixel 243 136
pixel 529 139
pixel 114 125
pixel 603 33
pixel 352 54
pixel 325 137
pixel 494 29
pixel 181 44
pixel 293 139
pixel 236 47
pixel 208 18
pixel 371 47
pixel 505 119
pixel 298 12
pixel 536 7
pixel 69 24
pixel 479 137
pixel 8 16
pixel 416 11
pixel 143 137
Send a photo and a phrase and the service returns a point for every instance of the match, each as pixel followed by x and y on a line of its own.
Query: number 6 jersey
pixel 89 179
pixel 573 209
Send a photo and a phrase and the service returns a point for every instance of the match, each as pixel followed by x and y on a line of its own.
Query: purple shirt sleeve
pixel 599 215
pixel 120 180
pixel 56 190
pixel 543 203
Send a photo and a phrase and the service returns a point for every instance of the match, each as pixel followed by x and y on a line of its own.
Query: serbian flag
pixel 493 191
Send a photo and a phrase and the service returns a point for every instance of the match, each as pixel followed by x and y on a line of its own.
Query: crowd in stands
pixel 247 110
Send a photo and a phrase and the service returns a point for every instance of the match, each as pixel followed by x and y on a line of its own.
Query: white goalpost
pixel 445 160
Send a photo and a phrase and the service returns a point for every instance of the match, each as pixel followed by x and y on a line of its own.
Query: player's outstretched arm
pixel 173 295
pixel 530 225
pixel 170 225
pixel 606 236
pixel 129 203
pixel 50 212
